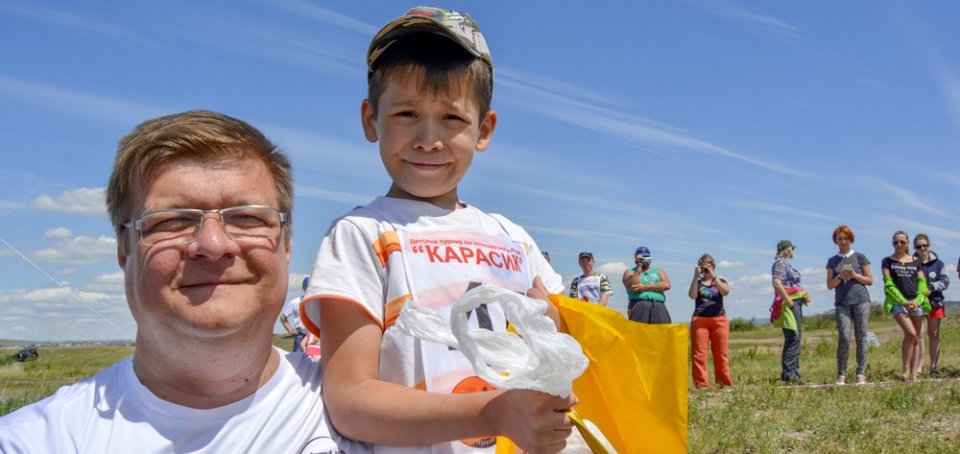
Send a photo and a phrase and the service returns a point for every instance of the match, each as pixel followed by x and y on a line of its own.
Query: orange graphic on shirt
pixel 475 384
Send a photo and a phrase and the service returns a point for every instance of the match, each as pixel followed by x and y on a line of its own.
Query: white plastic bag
pixel 540 358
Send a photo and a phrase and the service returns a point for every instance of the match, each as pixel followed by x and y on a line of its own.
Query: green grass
pixel 759 415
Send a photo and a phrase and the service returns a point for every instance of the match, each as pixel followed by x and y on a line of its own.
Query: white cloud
pixel 55 295
pixel 82 250
pixel 731 264
pixel 107 283
pixel 613 270
pixel 59 232
pixel 82 201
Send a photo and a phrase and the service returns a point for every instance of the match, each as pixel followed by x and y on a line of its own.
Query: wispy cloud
pixel 908 197
pixel 334 196
pixel 82 201
pixel 950 84
pixel 634 129
pixel 309 48
pixel 323 15
pixel 74 102
pixel 60 17
pixel 780 209
pixel 756 21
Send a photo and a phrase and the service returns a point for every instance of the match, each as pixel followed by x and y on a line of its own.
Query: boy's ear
pixel 369 119
pixel 486 130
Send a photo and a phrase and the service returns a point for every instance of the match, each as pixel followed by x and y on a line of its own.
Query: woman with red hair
pixel 849 274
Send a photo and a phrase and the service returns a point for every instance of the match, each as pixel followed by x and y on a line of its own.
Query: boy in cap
pixel 430 83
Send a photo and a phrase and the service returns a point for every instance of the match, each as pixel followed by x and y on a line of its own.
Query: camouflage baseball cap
pixel 455 25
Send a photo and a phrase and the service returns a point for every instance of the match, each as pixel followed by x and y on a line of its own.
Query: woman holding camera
pixel 645 289
pixel 849 274
pixel 709 327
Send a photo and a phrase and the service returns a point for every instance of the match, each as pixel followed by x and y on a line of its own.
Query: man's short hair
pixel 442 66
pixel 196 136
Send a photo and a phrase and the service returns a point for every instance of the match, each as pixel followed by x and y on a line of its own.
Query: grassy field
pixel 759 415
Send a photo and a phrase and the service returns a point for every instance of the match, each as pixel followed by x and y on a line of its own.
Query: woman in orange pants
pixel 709 326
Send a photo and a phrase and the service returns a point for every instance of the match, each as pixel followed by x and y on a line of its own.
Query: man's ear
pixel 486 130
pixel 368 117
pixel 121 256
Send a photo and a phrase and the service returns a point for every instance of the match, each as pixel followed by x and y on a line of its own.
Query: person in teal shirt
pixel 646 287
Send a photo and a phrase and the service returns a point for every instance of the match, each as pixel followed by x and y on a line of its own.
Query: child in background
pixel 428 107
pixel 311 347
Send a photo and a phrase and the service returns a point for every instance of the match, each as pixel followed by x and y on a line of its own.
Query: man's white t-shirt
pixel 113 412
pixel 360 261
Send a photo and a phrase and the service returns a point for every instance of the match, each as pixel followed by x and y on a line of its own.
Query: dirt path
pixel 883 333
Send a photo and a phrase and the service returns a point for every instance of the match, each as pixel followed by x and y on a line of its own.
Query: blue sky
pixel 687 126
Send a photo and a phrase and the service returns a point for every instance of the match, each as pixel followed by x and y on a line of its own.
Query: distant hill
pixel 13 344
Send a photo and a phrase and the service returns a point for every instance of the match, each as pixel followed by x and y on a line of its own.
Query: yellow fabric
pixel 635 389
pixel 506 446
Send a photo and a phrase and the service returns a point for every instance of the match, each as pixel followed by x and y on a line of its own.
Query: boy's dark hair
pixel 442 65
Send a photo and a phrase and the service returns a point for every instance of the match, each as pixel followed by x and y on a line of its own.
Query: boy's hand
pixel 535 421
pixel 540 292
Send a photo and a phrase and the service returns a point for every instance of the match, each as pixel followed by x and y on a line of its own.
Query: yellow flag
pixel 635 389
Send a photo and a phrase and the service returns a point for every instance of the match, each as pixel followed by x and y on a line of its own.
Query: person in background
pixel 849 274
pixel 937 282
pixel 290 319
pixel 791 297
pixel 646 287
pixel 592 286
pixel 311 347
pixel 709 327
pixel 902 280
pixel 201 206
pixel 546 255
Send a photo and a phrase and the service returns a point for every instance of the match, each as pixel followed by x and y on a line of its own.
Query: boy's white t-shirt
pixel 113 412
pixel 361 261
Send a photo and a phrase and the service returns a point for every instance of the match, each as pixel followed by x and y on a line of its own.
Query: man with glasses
pixel 201 205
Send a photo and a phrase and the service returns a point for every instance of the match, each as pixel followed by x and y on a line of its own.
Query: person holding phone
pixel 709 327
pixel 849 274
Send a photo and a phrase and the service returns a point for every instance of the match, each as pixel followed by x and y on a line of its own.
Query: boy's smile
pixel 427 138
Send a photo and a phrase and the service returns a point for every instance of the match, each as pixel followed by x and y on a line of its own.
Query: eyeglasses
pixel 921 246
pixel 899 242
pixel 183 225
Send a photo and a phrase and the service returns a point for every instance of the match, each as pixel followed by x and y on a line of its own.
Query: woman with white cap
pixel 645 288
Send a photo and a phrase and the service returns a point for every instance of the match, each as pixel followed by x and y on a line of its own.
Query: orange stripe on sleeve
pixel 310 311
pixel 392 311
pixel 387 243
